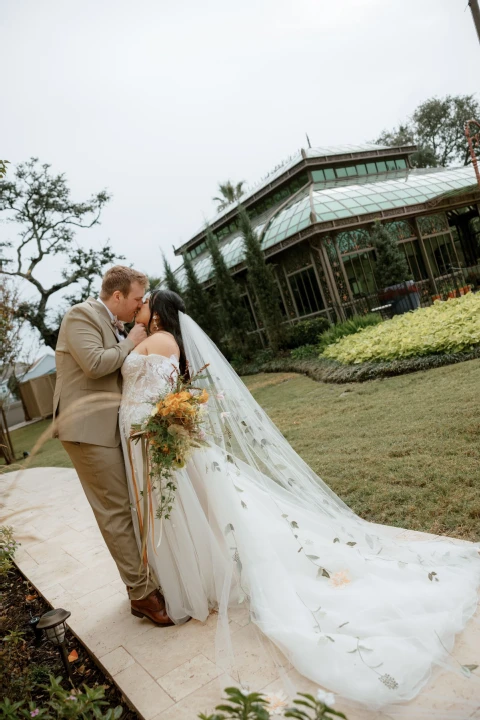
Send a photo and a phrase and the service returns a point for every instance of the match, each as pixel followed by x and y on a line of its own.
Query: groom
pixel 90 351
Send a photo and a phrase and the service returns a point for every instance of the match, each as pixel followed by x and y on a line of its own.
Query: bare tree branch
pixel 40 204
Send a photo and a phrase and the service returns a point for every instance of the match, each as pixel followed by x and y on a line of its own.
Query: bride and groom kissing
pixel 351 607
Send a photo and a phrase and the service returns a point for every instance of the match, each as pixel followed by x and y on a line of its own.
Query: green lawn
pixel 403 451
pixel 50 454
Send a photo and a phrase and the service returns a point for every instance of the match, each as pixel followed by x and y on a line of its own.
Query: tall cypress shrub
pixel 233 314
pixel 199 303
pixel 170 279
pixel 261 280
pixel 391 267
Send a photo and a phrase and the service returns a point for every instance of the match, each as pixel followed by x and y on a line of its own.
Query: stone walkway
pixel 170 673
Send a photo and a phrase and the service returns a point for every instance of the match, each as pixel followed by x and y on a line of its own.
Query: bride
pixel 354 610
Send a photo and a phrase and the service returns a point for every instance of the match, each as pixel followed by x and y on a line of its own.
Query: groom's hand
pixel 137 334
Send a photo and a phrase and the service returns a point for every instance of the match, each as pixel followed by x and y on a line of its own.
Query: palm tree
pixel 229 193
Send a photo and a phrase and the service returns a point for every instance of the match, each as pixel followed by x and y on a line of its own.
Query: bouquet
pixel 168 436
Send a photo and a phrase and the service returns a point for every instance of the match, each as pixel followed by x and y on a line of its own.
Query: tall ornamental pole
pixel 475 14
pixel 472 133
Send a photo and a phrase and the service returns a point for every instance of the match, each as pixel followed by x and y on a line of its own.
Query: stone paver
pixel 169 673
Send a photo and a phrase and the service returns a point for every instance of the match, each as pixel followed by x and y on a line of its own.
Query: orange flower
pixel 175 403
pixel 203 397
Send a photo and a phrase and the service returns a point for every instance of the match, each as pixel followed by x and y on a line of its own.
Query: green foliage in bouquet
pixel 169 435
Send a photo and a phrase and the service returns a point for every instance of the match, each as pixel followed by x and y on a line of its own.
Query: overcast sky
pixel 157 101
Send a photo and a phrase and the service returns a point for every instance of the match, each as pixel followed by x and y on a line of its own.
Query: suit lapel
pixel 102 311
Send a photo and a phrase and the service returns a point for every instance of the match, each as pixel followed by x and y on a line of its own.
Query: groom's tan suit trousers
pixel 85 407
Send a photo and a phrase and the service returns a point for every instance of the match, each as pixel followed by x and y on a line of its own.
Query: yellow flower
pixel 340 578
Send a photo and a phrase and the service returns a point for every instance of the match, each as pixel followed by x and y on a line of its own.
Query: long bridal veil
pixel 355 607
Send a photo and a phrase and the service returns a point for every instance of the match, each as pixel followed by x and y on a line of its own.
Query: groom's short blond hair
pixel 121 278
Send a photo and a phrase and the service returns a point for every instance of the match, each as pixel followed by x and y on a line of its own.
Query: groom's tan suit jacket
pixel 89 384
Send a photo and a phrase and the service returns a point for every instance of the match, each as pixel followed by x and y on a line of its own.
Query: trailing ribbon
pixel 146 513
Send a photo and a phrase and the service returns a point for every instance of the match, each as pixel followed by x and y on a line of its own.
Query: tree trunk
pixel 6 445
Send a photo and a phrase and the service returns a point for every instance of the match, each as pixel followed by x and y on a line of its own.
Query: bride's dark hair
pixel 167 305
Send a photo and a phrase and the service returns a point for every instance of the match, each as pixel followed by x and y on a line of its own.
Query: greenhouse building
pixel 314 215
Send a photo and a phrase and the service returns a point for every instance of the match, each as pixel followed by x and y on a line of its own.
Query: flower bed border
pixel 330 371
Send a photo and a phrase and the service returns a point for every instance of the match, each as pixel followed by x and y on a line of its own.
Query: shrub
pixel 391 267
pixel 63 704
pixel 8 547
pixel 445 327
pixel 257 706
pixel 304 352
pixel 306 332
pixel 349 327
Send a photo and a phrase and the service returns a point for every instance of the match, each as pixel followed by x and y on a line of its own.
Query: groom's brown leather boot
pixel 153 608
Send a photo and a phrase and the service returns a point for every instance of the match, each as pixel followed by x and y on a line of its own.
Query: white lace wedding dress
pixel 362 614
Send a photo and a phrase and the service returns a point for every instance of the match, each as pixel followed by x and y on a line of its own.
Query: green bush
pixel 444 327
pixel 85 704
pixel 304 352
pixel 8 547
pixel 348 327
pixel 306 332
pixel 257 706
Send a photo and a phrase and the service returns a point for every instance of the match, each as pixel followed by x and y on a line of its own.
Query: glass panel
pixel 306 292
pixel 371 168
pixel 362 169
pixel 360 273
pixel 341 172
pixel 391 165
pixel 351 170
pixel 414 259
pixel 401 163
pixel 432 224
pixel 401 229
pixel 440 254
pixel 350 240
pixel 381 166
pixel 318 175
pixel 329 174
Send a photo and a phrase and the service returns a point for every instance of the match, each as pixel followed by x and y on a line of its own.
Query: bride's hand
pixel 138 334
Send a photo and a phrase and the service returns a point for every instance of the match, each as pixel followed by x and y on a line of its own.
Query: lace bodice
pixel 145 377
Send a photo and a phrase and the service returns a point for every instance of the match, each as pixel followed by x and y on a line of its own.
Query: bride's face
pixel 143 315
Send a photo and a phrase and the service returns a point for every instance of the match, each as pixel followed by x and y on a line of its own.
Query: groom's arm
pixel 85 343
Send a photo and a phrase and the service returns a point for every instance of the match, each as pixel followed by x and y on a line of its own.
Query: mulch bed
pixel 24 665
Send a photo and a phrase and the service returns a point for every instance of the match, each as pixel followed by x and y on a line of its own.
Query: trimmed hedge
pixel 306 332
pixel 324 370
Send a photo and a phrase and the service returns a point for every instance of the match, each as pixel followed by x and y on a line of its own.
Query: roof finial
pixel 308 140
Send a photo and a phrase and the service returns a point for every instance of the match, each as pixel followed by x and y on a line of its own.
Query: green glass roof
pixel 293 217
pixel 310 153
pixel 336 200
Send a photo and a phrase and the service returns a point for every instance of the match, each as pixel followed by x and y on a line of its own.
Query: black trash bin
pixel 403 297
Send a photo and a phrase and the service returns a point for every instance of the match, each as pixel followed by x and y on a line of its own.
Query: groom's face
pixel 129 305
